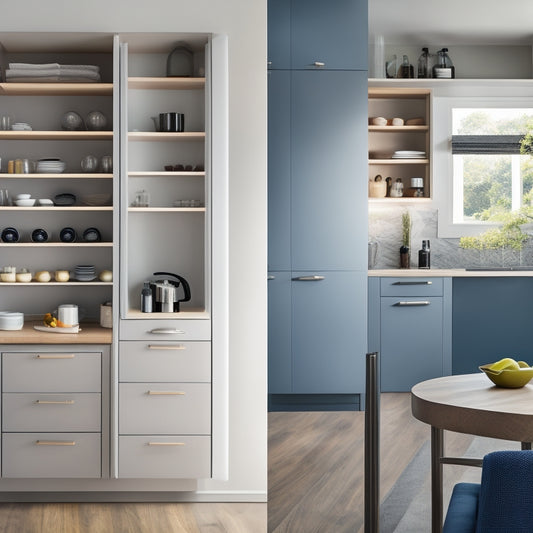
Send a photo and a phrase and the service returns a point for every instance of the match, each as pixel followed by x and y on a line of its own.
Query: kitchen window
pixel 478 163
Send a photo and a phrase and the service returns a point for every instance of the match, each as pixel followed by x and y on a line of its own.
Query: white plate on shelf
pixel 72 329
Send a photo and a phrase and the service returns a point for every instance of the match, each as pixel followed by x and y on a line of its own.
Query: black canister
pixel 424 255
pixel 67 235
pixel 10 235
pixel 39 235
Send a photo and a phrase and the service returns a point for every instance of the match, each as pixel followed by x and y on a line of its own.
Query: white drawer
pixel 51 455
pixel 51 412
pixel 55 371
pixel 164 361
pixel 174 457
pixel 164 408
pixel 165 330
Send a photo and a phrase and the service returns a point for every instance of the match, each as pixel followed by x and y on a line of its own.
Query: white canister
pixel 68 314
pixel 106 315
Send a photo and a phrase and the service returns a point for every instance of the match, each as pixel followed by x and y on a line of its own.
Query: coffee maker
pixel 165 291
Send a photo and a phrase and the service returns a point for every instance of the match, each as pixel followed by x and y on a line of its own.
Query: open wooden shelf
pixel 56 283
pixel 399 129
pixel 398 161
pixel 166 209
pixel 37 135
pixel 164 173
pixel 55 244
pixel 166 136
pixel 166 83
pixel 49 175
pixel 60 89
pixel 57 208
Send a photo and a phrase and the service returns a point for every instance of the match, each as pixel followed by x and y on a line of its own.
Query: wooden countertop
pixel 447 273
pixel 470 403
pixel 91 333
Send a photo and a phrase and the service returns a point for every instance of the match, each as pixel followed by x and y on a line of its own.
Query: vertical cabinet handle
pixel 309 278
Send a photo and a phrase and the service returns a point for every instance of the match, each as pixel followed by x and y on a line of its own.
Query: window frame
pixel 442 160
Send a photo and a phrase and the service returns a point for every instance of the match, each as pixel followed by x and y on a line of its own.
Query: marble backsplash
pixel 385 228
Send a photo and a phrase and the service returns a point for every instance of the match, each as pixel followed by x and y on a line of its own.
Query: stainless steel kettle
pixel 165 293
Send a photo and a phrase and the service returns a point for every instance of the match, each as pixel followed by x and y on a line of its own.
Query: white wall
pixel 244 22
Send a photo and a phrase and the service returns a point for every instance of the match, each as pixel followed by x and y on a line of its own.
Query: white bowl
pixel 45 201
pixel 23 196
pixel 11 321
pixel 25 203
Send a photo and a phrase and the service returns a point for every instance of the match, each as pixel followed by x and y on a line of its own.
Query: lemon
pixel 504 364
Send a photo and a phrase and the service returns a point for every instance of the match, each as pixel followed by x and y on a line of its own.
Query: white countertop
pixel 447 273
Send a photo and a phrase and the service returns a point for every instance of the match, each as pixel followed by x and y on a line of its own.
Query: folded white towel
pixel 47 66
pixel 54 72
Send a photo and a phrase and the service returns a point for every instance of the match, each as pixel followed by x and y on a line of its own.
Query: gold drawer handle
pixel 62 402
pixel 165 347
pixel 56 356
pixel 55 442
pixel 166 444
pixel 165 393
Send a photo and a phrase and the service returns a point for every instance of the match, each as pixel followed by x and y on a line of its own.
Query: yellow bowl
pixel 510 379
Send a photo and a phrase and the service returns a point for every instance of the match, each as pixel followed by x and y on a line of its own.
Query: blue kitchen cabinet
pixel 492 319
pixel 279 170
pixel 333 34
pixel 328 170
pixel 410 326
pixel 279 333
pixel 328 332
pixel 279 34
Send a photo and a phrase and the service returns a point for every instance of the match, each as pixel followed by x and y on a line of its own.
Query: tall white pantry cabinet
pixel 141 408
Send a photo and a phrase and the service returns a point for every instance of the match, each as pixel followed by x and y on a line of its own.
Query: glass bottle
pixel 424 255
pixel 406 70
pixel 444 67
pixel 424 67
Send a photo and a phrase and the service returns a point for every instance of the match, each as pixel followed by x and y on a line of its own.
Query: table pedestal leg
pixel 437 451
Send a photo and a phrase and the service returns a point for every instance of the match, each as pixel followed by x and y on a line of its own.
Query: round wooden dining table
pixel 469 403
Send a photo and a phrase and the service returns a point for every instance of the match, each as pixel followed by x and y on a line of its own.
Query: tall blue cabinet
pixel 318 86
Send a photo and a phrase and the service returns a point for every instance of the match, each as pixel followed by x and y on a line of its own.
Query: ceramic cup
pixel 62 275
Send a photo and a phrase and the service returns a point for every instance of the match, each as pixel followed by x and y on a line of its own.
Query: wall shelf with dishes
pixel 399 143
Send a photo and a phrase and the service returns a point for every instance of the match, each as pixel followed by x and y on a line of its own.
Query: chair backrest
pixel 506 494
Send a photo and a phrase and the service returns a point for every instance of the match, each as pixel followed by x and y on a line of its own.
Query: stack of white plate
pixel 409 154
pixel 21 126
pixel 50 166
pixel 85 272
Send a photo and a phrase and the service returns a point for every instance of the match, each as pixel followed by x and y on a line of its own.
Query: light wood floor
pixel 133 518
pixel 316 464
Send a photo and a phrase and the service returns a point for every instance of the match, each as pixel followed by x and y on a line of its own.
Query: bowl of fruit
pixel 508 373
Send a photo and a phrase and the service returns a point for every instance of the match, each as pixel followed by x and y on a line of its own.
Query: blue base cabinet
pixel 410 326
pixel 492 319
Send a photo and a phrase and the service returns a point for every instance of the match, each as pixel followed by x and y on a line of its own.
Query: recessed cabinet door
pixel 279 34
pixel 411 341
pixel 329 170
pixel 279 170
pixel 333 32
pixel 329 332
pixel 279 333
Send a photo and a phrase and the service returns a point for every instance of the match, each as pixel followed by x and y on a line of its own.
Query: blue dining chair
pixel 502 503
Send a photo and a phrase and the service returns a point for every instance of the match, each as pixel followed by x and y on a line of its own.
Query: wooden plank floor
pixel 316 464
pixel 133 518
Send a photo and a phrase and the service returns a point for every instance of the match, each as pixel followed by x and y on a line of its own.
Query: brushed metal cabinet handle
pixel 167 331
pixel 51 402
pixel 165 393
pixel 166 444
pixel 270 278
pixel 166 347
pixel 319 64
pixel 413 283
pixel 309 278
pixel 55 442
pixel 55 356
pixel 412 303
